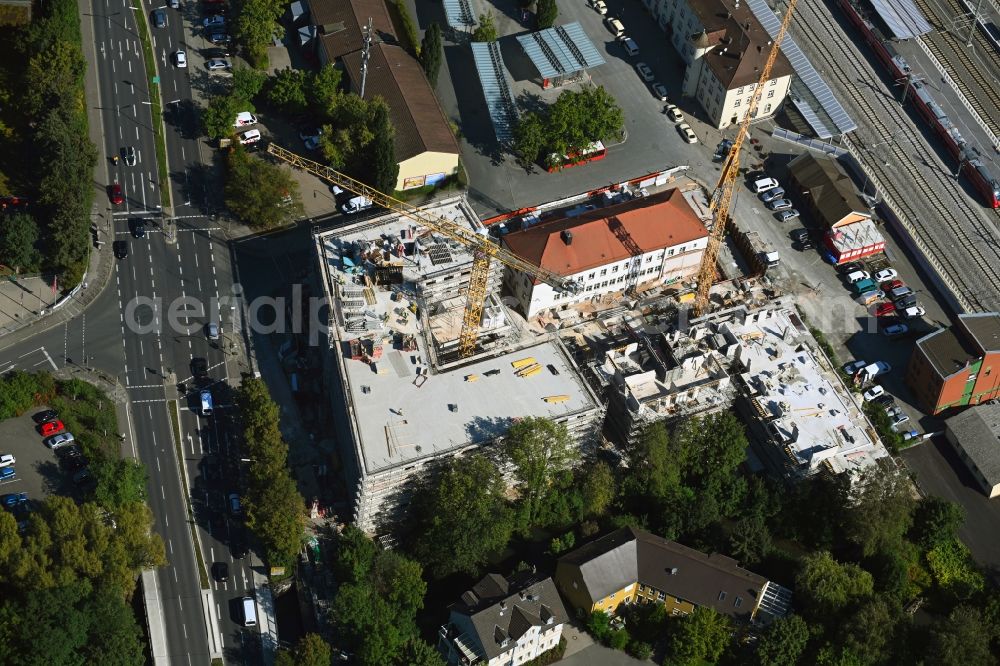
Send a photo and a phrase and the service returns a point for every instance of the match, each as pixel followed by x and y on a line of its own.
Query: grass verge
pixel 176 428
pixel 156 107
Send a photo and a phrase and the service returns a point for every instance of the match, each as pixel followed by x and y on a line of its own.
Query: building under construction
pixel 402 396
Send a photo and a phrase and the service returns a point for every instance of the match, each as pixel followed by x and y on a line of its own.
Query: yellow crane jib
pixel 722 197
pixel 483 249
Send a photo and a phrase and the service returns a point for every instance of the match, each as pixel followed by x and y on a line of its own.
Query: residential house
pixel 630 565
pixel 501 622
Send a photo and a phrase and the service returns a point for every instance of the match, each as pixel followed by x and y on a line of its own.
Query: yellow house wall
pixel 425 164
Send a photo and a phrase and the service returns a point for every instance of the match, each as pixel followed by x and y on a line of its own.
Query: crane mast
pixel 482 248
pixel 722 197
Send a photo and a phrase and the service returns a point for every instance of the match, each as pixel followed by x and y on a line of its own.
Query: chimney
pixel 567 236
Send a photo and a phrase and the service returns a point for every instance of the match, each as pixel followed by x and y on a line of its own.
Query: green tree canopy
pixel 17 242
pixel 784 642
pixel 218 117
pixel 324 91
pixel 954 570
pixel 827 586
pixel 750 539
pixel 430 53
pixel 255 26
pixel 262 194
pixel 548 10
pixel 936 521
pixel 882 510
pixel 963 639
pixel 538 449
pixel 287 91
pixel 461 517
pixel 701 636
pixel 598 489
pixel 486 31
pixel 384 167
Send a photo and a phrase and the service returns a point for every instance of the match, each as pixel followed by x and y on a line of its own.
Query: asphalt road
pixel 128 333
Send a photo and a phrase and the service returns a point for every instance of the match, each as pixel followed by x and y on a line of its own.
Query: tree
pixel 547 13
pixel 701 636
pixel 325 90
pixel 17 242
pixel 936 521
pixel 486 31
pixel 355 554
pixel 311 650
pixel 961 640
pixel 954 570
pixel 385 168
pixel 869 630
pixel 750 539
pixel 538 448
pixel 260 193
pixel 420 653
pixel 119 482
pixel 276 513
pixel 255 26
pixel 287 91
pixel 598 489
pixel 462 517
pixel 827 586
pixel 217 119
pixel 784 642
pixel 530 138
pixel 430 53
pixel 882 510
pixel 247 84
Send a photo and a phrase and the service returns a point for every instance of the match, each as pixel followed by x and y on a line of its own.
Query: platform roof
pixel 562 50
pixel 458 14
pixel 809 92
pixel 902 18
pixel 496 89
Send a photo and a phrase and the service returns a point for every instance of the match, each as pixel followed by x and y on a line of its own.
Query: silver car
pixel 212 331
pixel 779 204
pixel 62 439
pixel 786 215
pixel 772 194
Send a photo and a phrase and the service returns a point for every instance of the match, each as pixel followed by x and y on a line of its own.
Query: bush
pixel 486 31
pixel 409 28
pixel 883 426
pixel 640 650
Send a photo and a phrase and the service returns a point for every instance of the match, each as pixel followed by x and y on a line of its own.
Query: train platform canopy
pixel 902 18
pixel 496 89
pixel 809 92
pixel 560 52
pixel 458 14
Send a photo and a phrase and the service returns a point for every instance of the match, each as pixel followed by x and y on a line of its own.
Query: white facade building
pixel 502 622
pixel 725 48
pixel 658 238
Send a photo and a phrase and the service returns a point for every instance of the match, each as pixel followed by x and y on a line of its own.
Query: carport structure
pixel 561 55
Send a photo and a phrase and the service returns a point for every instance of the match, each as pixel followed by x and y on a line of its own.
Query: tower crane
pixel 482 248
pixel 722 197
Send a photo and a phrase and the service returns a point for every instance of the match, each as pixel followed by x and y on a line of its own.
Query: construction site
pixel 403 394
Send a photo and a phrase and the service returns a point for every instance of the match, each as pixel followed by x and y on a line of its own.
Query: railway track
pixel 961 244
pixel 955 56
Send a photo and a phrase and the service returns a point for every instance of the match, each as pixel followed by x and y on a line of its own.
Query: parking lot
pixel 652 143
pixel 38 471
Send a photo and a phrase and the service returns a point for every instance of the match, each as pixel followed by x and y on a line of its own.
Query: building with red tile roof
pixel 658 238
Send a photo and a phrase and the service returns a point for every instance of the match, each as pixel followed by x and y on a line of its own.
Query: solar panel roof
pixel 458 14
pixel 808 86
pixel 902 18
pixel 561 50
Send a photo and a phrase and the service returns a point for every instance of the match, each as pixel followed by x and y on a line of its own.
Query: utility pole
pixel 972 24
pixel 365 52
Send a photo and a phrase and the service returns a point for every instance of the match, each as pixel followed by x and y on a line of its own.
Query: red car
pixel 51 428
pixel 890 285
pixel 115 194
pixel 884 309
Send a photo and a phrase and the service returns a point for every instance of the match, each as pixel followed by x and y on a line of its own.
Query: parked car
pixel 250 136
pixel 216 64
pixel 180 58
pixel 885 275
pixel 856 276
pixel 644 71
pixel 866 298
pixel 598 6
pixel 853 366
pixel 779 204
pixel 62 439
pixel 115 194
pixel 7 459
pixel 245 118
pixel 891 284
pixel 764 184
pixel 631 48
pixel 218 38
pixel 798 235
pixel 849 267
pixel 45 415
pixel 885 400
pixel 881 368
pixel 82 477
pixel 910 434
pixel 51 428
pixel 914 312
pixel 873 393
pixel 772 194
pixel 805 244
pixel 215 20
pixel 900 418
pixel 673 113
pixel 884 310
pixel 614 25
pixel 687 133
pixel 906 302
pixel 659 91
pixel 896 330
pixel 786 215
pixel 11 500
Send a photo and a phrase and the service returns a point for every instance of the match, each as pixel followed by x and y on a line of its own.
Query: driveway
pixel 598 655
pixel 940 472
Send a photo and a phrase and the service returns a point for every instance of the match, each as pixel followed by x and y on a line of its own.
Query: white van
pixel 245 118
pixel 206 403
pixel 764 184
pixel 249 612
pixel 250 136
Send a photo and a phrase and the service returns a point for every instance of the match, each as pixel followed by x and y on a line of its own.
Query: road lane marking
pixel 170 545
pixel 157 463
pixel 163 494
